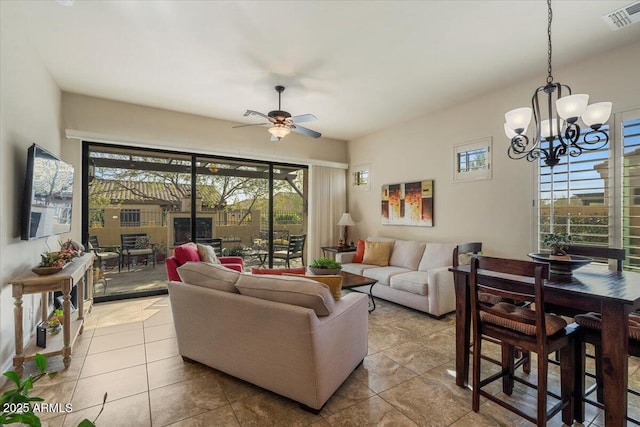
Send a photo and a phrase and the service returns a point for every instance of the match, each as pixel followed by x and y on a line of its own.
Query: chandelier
pixel 557 132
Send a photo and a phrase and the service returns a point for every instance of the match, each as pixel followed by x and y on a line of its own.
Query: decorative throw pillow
pixel 142 242
pixel 377 253
pixel 288 290
pixel 359 256
pixel 207 254
pixel 208 275
pixel 334 282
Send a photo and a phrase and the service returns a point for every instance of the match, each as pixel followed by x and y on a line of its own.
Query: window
pixel 360 179
pixel 130 217
pixel 595 197
pixel 472 160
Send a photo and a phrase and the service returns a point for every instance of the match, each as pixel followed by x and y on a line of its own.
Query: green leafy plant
pixel 558 242
pixel 16 405
pixel 327 263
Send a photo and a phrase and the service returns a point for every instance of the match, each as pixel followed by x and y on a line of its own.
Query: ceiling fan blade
pixel 252 124
pixel 255 113
pixel 301 118
pixel 306 131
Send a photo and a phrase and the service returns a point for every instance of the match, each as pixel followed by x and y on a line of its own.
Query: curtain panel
pixel 328 201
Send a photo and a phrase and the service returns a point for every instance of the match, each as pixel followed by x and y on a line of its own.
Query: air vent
pixel 623 17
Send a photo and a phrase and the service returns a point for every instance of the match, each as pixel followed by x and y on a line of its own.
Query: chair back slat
pixel 599 252
pixel 128 241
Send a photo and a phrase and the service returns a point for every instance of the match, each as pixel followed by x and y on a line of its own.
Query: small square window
pixel 361 177
pixel 472 160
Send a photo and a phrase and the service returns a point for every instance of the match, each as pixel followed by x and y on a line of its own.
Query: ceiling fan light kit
pixel 282 123
pixel 559 127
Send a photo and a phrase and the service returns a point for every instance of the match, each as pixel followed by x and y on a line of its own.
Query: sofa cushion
pixel 185 253
pixel 414 282
pixel 278 271
pixel 377 253
pixel 289 290
pixel 436 255
pixel 357 268
pixel 383 274
pixel 209 275
pixel 207 254
pixel 333 281
pixel 407 254
pixel 359 255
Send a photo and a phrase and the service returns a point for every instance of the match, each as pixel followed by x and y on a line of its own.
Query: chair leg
pixel 507 363
pixel 599 388
pixel 568 368
pixel 579 386
pixel 543 368
pixel 477 350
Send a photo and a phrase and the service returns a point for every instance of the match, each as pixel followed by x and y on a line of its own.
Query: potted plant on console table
pixel 324 266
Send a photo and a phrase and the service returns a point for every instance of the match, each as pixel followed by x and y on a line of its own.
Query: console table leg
pixel 18 360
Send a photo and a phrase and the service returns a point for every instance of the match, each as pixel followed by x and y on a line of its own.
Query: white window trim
pixel 478 175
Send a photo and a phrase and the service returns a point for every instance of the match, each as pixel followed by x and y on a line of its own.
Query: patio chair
pixel 136 245
pixel 295 249
pixel 103 253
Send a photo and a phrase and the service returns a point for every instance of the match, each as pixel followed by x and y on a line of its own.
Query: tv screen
pixel 48 195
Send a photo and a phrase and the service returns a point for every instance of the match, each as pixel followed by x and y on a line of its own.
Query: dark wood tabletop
pixel 591 288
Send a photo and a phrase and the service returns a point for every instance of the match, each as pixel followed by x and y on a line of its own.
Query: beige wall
pixel 497 212
pixel 29 112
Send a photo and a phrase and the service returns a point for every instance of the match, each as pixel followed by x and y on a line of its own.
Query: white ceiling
pixel 359 66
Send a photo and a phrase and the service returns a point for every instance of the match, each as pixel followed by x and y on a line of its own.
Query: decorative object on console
pixel 409 203
pixel 324 266
pixel 282 122
pixel 559 123
pixel 345 221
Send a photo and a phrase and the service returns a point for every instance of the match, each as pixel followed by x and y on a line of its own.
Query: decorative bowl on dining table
pixel 560 266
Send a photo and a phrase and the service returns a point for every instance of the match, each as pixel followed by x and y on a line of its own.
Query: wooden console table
pixel 62 281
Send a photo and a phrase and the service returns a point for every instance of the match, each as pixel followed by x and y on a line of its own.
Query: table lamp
pixel 346 221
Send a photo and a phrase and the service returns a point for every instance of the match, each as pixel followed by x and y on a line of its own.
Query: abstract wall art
pixel 409 203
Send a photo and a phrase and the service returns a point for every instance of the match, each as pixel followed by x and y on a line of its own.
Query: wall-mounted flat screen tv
pixel 48 195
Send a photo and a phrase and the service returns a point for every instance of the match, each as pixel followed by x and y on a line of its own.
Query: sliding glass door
pixel 141 200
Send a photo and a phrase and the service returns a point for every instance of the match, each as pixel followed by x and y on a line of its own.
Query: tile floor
pixel 128 349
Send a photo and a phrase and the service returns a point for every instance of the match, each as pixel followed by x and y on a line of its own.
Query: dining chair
pixel 520 327
pixel 602 252
pixel 590 332
pixel 295 249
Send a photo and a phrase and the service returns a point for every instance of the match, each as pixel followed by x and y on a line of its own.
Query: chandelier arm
pixel 594 140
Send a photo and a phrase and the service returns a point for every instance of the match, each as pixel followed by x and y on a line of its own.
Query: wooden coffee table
pixel 350 280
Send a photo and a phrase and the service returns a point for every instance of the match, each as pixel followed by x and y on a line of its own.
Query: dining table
pixel 593 288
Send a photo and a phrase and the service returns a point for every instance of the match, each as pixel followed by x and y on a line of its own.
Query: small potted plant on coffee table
pixel 324 266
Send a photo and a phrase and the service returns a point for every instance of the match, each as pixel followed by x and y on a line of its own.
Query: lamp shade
pixel 571 107
pixel 547 131
pixel 279 131
pixel 346 219
pixel 597 114
pixel 518 120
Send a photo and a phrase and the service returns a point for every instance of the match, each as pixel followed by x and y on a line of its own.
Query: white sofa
pixel 418 275
pixel 283 347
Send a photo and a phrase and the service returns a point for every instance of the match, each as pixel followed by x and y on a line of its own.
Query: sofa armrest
pixel 442 296
pixel 345 257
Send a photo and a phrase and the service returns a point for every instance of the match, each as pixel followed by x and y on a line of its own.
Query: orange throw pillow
pixel 359 256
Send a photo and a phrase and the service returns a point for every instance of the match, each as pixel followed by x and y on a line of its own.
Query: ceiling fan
pixel 282 123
